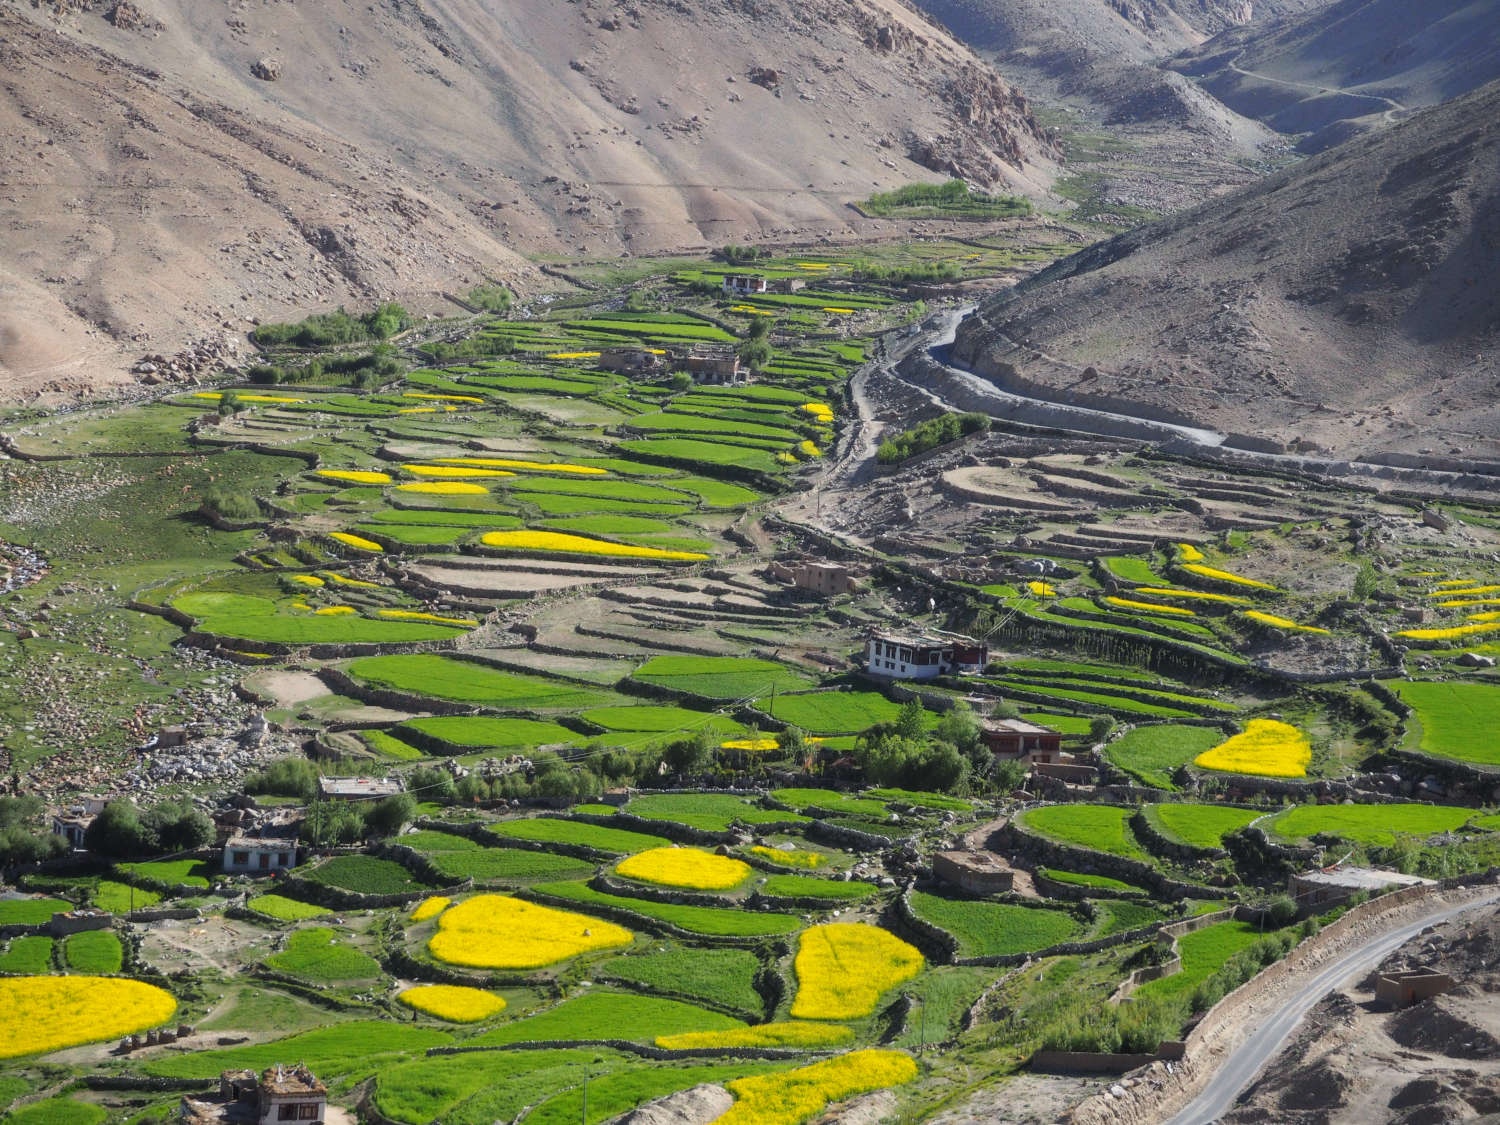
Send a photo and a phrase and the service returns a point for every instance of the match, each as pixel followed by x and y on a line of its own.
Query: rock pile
pixel 204 357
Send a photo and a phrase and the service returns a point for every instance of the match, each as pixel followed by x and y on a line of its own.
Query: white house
pixel 898 657
pixel 259 855
pixel 744 283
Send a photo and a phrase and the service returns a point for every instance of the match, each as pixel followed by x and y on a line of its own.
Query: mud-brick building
pixel 1018 740
pixel 979 873
pixel 279 1094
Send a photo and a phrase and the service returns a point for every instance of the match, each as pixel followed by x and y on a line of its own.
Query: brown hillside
pixel 165 152
pixel 1350 303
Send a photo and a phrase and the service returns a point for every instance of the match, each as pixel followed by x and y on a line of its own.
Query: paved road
pixel 1241 1068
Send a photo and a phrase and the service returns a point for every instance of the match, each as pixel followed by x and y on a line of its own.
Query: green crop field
pixel 719 677
pixel 615 1093
pixel 120 898
pixel 58 1111
pixel 1118 917
pixel 654 719
pixel 1198 826
pixel 364 875
pixel 694 452
pixel 1079 879
pixel 286 909
pixel 1367 824
pixel 832 712
pixel 514 866
pixel 466 682
pixel 714 812
pixel 706 920
pixel 937 801
pixel 985 929
pixel 1152 754
pixel 1116 703
pixel 457 734
pixel 317 954
pixel 30 911
pixel 1133 570
pixel 804 886
pixel 250 618
pixel 93 951
pixel 1101 828
pixel 830 799
pixel 173 872
pixel 1455 719
pixel 550 830
pixel 605 1014
pixel 358 1047
pixel 27 955
pixel 721 976
pixel 1203 954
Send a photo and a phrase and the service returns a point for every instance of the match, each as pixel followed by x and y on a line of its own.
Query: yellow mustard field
pixel 1225 576
pixel 685 867
pixel 444 398
pixel 1194 595
pixel 358 542
pixel 1281 622
pixel 755 744
pixel 534 466
pixel 1452 633
pixel 789 859
pixel 1150 607
pixel 307 579
pixel 1467 591
pixel 429 908
pixel 1187 553
pixel 419 615
pixel 452 1002
pixel 443 487
pixel 356 476
pixel 499 932
pixel 794 1096
pixel 1041 589
pixel 580 545
pixel 1266 748
pixel 791 1033
pixel 49 1013
pixel 843 968
pixel 454 471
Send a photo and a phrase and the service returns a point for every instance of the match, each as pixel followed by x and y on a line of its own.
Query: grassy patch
pixel 364 874
pixel 1101 828
pixel 804 886
pixel 173 872
pixel 285 909
pixel 466 682
pixel 985 929
pixel 513 866
pixel 30 911
pixel 830 799
pixel 719 677
pixel 722 976
pixel 58 1111
pixel 552 830
pixel 1152 754
pixel 832 712
pixel 1458 719
pixel 459 733
pixel 1203 954
pixel 317 954
pixel 93 951
pixel 605 1014
pixel 706 920
pixel 30 955
pixel 1376 825
pixel 359 1046
pixel 1079 879
pixel 1198 826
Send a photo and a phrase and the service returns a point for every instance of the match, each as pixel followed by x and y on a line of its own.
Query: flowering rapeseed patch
pixel 418 615
pixel 1150 607
pixel 540 466
pixel 791 1033
pixel 1041 589
pixel 580 545
pixel 843 967
pixel 1225 576
pixel 307 579
pixel 356 541
pixel 793 1096
pixel 499 932
pixel 789 859
pixel 48 1013
pixel 1452 633
pixel 1281 622
pixel 1266 747
pixel 454 471
pixel 685 867
pixel 1195 595
pixel 443 398
pixel 356 476
pixel 452 1002
pixel 429 908
pixel 443 487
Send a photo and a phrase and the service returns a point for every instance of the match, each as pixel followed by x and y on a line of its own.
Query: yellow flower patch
pixel 751 309
pixel 356 541
pixel 1446 581
pixel 1467 591
pixel 452 1002
pixel 808 860
pixel 1041 589
pixel 819 410
pixel 1450 634
pixel 1186 552
pixel 444 398
pixel 756 744
pixel 302 606
pixel 839 311
pixel 443 487
pixel 355 476
pixel 685 867
pixel 537 466
pixel 429 908
pixel 418 615
pixel 1281 622
pixel 215 395
pixel 1266 748
pixel 791 1033
pixel 808 449
pixel 813 266
pixel 794 1096
pixel 416 410
pixel 1150 607
pixel 343 581
pixel 844 967
pixel 579 545
pixel 454 471
pixel 1468 602
pixel 49 1013
pixel 1493 615
pixel 334 610
pixel 1225 576
pixel 574 355
pixel 499 932
pixel 307 579
pixel 1196 595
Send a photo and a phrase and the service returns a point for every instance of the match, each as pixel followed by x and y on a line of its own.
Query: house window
pixel 308 1112
pixel 264 860
pixel 287 1112
pixel 281 860
pixel 241 859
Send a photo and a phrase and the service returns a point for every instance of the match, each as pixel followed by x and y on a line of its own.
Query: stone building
pixel 281 1093
pixel 979 873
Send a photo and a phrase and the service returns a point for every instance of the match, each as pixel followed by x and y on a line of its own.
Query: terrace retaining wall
pixel 1073 857
pixel 1056 888
pixel 1157 842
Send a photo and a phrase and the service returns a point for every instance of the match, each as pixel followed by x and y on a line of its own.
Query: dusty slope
pixel 1350 66
pixel 1350 303
pixel 434 141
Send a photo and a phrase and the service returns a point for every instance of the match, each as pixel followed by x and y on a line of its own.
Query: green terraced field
pixel 318 954
pixel 1203 954
pixel 1152 754
pixel 804 886
pixel 1455 719
pixel 1367 824
pixel 459 734
pixel 706 920
pixel 605 1014
pixel 550 830
pixel 364 874
pixel 713 812
pixel 1198 826
pixel 93 951
pixel 1101 828
pixel 985 929
pixel 467 682
pixel 721 976
pixel 719 677
pixel 833 712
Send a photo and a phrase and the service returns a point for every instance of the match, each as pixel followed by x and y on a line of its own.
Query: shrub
pixel 231 504
pixel 930 434
pixel 285 777
pixel 325 330
pixel 490 297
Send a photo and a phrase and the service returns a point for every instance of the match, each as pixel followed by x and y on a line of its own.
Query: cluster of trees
pixel 336 329
pixel 124 831
pixel 755 349
pixel 951 757
pixel 930 434
pixel 953 197
pixel 22 837
pixel 441 351
pixel 352 822
pixel 490 297
pixel 231 504
pixel 906 273
pixel 364 370
pixel 740 255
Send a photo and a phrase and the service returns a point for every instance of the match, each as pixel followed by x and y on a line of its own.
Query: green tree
pixel 911 719
pixel 285 777
pixel 176 826
pixel 691 755
pixel 118 832
pixel 1366 581
pixel 754 354
pixel 389 815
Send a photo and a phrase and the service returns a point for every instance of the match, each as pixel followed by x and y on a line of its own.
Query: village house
pixel 281 1093
pixel 259 855
pixel 72 822
pixel 357 788
pixel 633 361
pixel 979 873
pixel 824 578
pixel 1316 891
pixel 899 657
pixel 717 369
pixel 1018 740
pixel 748 283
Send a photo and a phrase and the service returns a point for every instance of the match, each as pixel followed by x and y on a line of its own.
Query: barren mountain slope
pixel 1350 66
pixel 434 140
pixel 1350 303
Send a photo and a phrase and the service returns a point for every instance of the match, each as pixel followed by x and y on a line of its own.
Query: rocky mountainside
pixel 186 164
pixel 1350 66
pixel 1350 303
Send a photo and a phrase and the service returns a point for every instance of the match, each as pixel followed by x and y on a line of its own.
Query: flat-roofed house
pixel 900 656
